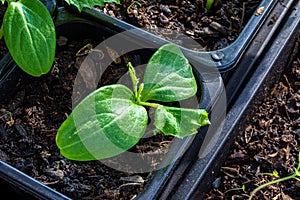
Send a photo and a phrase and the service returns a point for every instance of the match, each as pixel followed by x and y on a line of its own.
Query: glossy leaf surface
pixel 168 76
pixel 29 34
pixel 106 123
pixel 179 122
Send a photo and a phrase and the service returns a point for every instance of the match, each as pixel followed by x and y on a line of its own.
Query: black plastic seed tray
pixel 242 56
pixel 224 59
pixel 195 180
pixel 68 26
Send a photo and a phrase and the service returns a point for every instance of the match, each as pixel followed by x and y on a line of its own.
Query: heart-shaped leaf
pixel 179 122
pixel 168 76
pixel 29 34
pixel 106 123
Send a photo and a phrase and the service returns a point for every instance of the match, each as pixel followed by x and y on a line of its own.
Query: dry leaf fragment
pixel 285 196
pixel 259 11
pixel 135 179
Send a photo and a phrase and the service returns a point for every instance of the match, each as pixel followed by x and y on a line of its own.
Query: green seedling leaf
pixel 243 188
pixel 209 4
pixel 275 174
pixel 298 162
pixel 29 34
pixel 168 76
pixel 1 32
pixel 80 4
pixel 106 123
pixel 179 122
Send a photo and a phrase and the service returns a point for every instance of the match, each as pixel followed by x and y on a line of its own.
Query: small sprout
pixel 9 113
pixel 295 175
pixel 274 173
pixel 243 188
pixel 132 3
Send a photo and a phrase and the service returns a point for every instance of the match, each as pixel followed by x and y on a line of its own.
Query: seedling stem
pixel 295 176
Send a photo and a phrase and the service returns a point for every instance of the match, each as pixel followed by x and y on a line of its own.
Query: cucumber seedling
pixel 113 118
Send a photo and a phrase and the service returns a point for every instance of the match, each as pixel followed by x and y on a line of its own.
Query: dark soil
pixel 29 122
pixel 270 142
pixel 213 29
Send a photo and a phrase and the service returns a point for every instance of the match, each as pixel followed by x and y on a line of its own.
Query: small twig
pixel 243 16
pixel 128 184
pixel 287 81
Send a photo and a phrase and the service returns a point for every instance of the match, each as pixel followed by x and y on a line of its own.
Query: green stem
pixel 233 189
pixel 293 176
pixel 298 179
pixel 209 4
pixel 1 32
pixel 143 103
pixel 134 2
pixel 270 183
pixel 275 174
pixel 134 80
pixel 137 92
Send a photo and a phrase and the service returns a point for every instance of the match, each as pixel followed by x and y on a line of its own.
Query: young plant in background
pixel 112 119
pixel 29 33
pixel 295 175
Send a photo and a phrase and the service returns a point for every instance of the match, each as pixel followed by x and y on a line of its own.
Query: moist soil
pixel 212 29
pixel 270 142
pixel 29 122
